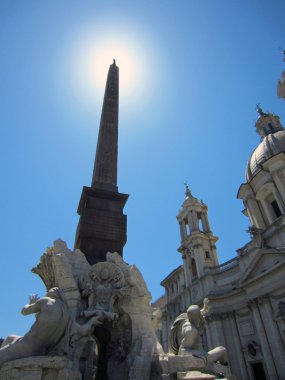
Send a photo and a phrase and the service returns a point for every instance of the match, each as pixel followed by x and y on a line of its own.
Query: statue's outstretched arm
pixel 31 308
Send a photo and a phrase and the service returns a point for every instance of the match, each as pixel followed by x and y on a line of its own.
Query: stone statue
pixel 51 323
pixel 105 304
pixel 133 277
pixel 185 337
pixel 185 343
pixel 102 284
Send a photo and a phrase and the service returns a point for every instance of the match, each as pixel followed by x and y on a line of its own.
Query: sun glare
pixel 126 60
pixel 92 57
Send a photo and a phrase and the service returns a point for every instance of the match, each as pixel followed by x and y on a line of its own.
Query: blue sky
pixel 199 68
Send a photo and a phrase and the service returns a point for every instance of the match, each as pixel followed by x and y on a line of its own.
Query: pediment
pixel 263 262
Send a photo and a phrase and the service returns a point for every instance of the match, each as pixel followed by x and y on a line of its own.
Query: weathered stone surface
pixel 188 353
pixel 194 375
pixel 177 363
pixel 103 226
pixel 47 332
pixel 245 292
pixel 39 368
pixel 108 301
pixel 105 167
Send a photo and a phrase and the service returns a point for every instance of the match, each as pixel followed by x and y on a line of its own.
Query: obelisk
pixel 102 225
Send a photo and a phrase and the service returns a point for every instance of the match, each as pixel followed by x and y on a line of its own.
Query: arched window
pixel 276 208
pixel 187 228
pixel 270 201
pixel 194 268
pixel 200 222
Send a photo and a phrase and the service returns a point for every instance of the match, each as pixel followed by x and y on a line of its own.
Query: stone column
pixel 195 220
pixel 255 214
pixel 205 222
pixel 165 331
pixel 190 221
pixel 279 186
pixel 188 278
pixel 238 363
pixel 267 355
pixel 167 293
pixel 199 258
pixel 267 213
pixel 208 334
pixel 217 336
pixel 175 288
pixel 187 292
pixel 183 300
pixel 213 249
pixel 186 270
pixel 273 336
pixel 183 231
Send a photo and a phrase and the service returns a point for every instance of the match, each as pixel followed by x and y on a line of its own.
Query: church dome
pixel 268 126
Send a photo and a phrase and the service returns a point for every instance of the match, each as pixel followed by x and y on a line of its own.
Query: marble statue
pixel 186 339
pixel 105 303
pixel 186 344
pixel 52 319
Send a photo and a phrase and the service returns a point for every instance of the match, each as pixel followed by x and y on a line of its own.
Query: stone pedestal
pixel 39 368
pixel 194 375
pixel 189 367
pixel 102 226
pixel 177 363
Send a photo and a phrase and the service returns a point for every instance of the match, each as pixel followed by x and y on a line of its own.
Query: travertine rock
pixel 177 363
pixel 48 330
pixel 39 368
pixel 108 301
pixel 186 344
pixel 194 375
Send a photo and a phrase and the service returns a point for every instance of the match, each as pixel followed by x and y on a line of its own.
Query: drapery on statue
pixel 185 338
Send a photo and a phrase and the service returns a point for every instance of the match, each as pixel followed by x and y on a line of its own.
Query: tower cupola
pixel 197 241
pixel 263 192
pixel 194 216
pixel 267 123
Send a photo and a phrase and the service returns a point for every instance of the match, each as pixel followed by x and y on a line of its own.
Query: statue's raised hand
pixel 33 298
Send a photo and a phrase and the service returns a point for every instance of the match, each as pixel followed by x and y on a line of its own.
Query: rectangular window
pixel 276 208
pixel 258 371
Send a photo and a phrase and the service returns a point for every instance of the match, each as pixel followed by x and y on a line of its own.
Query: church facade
pixel 243 299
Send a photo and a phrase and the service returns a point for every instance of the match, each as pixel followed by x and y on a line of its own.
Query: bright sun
pixel 92 57
pixel 126 60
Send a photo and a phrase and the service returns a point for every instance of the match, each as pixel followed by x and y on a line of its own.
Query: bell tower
pixel 198 245
pixel 102 225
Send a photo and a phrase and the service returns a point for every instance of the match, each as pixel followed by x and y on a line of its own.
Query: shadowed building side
pixel 102 225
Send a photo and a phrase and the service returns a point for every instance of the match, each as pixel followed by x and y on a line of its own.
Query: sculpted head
pixel 195 317
pixel 105 274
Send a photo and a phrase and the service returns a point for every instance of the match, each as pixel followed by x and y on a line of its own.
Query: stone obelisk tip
pixel 106 160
